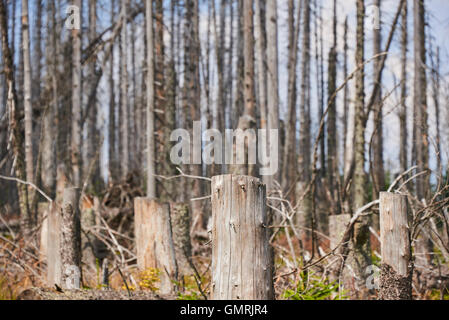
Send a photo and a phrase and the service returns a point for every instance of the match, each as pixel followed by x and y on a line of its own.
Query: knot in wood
pixel 242 186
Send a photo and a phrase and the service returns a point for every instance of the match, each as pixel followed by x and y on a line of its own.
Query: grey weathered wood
pixel 397 267
pixel 42 213
pixel 53 227
pixel 70 241
pixel 154 241
pixel 241 255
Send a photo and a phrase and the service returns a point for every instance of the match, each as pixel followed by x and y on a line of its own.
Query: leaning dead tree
pixel 241 255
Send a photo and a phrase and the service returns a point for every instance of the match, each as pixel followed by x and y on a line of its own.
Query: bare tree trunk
pixel 133 142
pixel 332 159
pixel 218 119
pixel 14 124
pixel 378 159
pixel 272 83
pixel 289 156
pixel 38 50
pixel 167 189
pixel 423 245
pixel 420 100
pixel 261 55
pixel 403 151
pixel 248 27
pixel 345 95
pixel 76 102
pixel 92 134
pixel 436 88
pixel 248 119
pixel 48 173
pixel 240 68
pixel 162 142
pixel 229 80
pixel 29 160
pixel 124 124
pixel 193 53
pixel 112 147
pixel 304 214
pixel 361 241
pixel 288 169
pixel 151 181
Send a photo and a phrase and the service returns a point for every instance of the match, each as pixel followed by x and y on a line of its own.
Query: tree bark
pixel 361 236
pixel 112 145
pixel 151 181
pixel 29 160
pixel 272 84
pixel 332 158
pixel 304 214
pixel 48 172
pixel 14 124
pixel 241 255
pixel 124 106
pixel 397 266
pixel 91 166
pixel 403 149
pixel 163 240
pixel 70 240
pixel 378 159
pixel 289 156
pixel 420 100
pixel 76 101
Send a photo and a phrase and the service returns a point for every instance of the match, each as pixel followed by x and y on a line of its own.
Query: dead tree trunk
pixel 16 138
pixel 29 161
pixel 51 236
pixel 241 255
pixel 76 102
pixel 70 241
pixel 151 180
pixel 397 267
pixel 337 227
pixel 163 240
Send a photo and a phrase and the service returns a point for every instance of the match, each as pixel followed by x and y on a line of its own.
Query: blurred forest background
pixel 360 108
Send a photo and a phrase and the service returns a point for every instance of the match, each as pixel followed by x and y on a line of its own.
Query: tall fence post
pixel 241 254
pixel 70 243
pixel 397 266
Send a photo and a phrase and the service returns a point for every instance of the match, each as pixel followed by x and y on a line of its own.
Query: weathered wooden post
pixel 70 242
pixel 241 254
pixel 397 266
pixel 162 240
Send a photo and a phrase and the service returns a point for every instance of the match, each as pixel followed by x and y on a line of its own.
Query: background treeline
pixel 98 105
